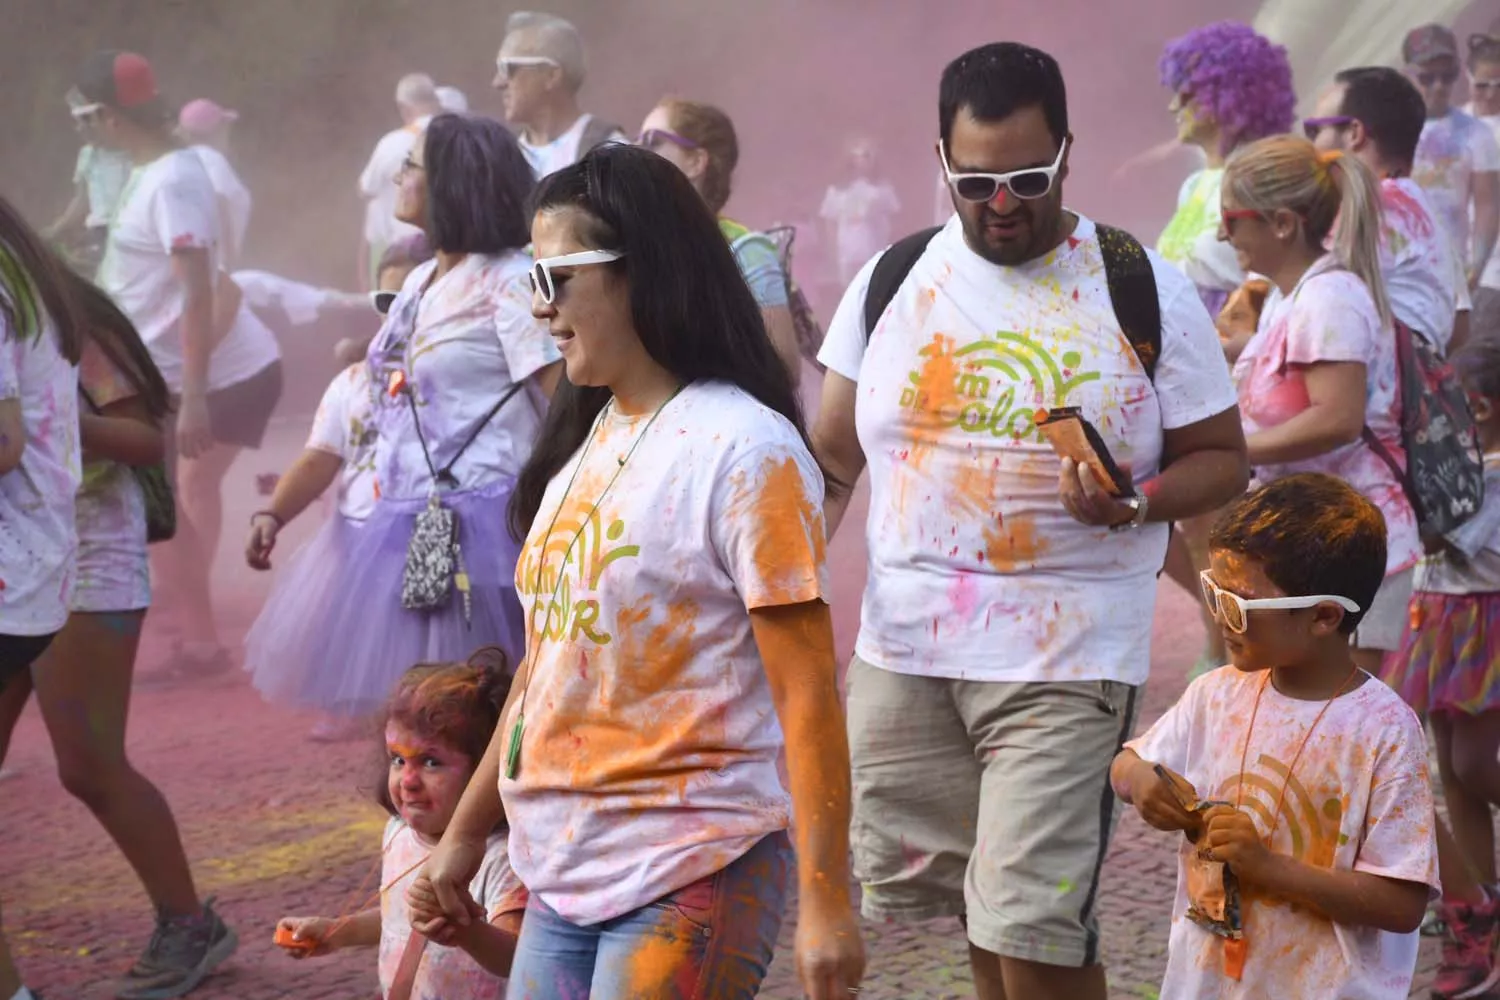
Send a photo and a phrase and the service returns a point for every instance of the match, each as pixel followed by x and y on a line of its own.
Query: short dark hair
pixel 1388 105
pixel 689 303
pixel 478 184
pixel 1312 534
pixel 995 81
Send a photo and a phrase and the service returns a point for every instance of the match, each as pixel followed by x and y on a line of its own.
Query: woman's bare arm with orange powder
pixel 796 646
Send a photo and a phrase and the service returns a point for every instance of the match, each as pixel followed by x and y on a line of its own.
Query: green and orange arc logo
pixel 997 366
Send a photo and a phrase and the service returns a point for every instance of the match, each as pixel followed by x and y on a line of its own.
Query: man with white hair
pixel 417 101
pixel 539 72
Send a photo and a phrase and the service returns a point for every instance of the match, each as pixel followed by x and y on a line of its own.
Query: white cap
pixel 453 100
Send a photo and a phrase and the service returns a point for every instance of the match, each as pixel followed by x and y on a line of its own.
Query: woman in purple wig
pixel 1230 86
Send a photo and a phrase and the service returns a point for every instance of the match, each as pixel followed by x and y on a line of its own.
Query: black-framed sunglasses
pixel 1028 184
pixel 382 301
pixel 1431 79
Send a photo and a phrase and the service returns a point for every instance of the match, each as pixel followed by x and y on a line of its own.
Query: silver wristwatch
pixel 1138 504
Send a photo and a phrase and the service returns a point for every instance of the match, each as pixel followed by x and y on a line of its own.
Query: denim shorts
pixel 710 940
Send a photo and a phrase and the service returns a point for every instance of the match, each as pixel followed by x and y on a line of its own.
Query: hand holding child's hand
pixel 305 937
pixel 1230 836
pixel 1159 803
pixel 428 916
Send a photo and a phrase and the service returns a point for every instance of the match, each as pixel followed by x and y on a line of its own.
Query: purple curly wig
pixel 1236 75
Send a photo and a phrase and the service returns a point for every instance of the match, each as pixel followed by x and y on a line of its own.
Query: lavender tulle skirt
pixel 333 635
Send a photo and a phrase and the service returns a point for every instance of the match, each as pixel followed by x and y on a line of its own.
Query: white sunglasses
pixel 509 64
pixel 1028 184
pixel 1233 610
pixel 541 272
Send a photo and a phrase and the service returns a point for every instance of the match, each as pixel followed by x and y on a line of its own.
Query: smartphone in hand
pixel 1072 436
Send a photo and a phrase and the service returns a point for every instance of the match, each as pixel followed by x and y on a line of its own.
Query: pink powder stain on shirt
pixel 964 594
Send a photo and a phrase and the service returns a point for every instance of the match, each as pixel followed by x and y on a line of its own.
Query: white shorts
pixel 1385 621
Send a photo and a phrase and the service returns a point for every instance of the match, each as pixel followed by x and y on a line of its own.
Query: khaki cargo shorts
pixel 988 801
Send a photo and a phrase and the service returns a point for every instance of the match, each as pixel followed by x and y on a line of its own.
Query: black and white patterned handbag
pixel 431 558
pixel 434 556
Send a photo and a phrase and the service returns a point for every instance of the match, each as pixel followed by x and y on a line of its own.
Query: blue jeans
pixel 711 940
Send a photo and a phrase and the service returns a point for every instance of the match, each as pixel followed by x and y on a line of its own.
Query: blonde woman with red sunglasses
pixel 1322 367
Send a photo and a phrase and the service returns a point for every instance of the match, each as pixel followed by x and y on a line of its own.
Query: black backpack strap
pixel 890 271
pixel 1132 291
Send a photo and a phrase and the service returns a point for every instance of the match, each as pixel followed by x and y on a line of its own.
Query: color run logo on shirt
pixel 954 387
pixel 563 569
pixel 1312 827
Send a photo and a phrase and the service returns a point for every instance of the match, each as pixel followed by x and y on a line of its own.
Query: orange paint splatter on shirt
pixel 1012 544
pixel 936 402
pixel 974 490
pixel 790 541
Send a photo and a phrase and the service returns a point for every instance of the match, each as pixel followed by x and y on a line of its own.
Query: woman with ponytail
pixel 1321 369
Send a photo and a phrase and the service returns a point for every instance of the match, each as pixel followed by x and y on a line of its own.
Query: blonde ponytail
pixel 1336 197
pixel 1356 232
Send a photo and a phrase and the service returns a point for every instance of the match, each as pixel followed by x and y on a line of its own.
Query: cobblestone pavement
pixel 276 824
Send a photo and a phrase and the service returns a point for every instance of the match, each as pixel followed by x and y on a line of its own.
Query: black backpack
pixel 1127 271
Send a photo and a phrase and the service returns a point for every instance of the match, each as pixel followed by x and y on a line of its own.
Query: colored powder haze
pixel 313 83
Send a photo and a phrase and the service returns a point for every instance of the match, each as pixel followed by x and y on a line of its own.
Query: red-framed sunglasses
pixel 1229 216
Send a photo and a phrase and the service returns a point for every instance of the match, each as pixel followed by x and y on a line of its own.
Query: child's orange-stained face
pixel 426 778
pixel 1273 638
pixel 1241 313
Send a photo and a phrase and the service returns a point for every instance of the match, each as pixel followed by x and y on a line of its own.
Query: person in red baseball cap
pixel 164 266
pixel 122 82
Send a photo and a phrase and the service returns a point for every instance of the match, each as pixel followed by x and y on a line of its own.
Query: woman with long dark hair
pixel 674 580
pixel 39 347
pixel 83 681
pixel 459 374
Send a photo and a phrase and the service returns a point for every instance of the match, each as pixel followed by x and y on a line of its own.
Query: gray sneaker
pixel 180 956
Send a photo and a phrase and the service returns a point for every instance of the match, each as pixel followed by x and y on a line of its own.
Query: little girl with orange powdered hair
pixel 438 724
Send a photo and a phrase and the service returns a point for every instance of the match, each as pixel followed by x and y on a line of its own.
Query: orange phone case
pixel 285 939
pixel 1069 434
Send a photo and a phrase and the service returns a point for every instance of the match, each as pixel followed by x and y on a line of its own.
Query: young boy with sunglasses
pixel 1301 774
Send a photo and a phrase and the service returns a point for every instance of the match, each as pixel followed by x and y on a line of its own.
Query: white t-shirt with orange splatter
pixel 976 570
pixel 344 426
pixel 445 973
pixel 649 753
pixel 1358 799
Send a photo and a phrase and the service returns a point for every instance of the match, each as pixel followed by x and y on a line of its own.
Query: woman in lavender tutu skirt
pixel 458 339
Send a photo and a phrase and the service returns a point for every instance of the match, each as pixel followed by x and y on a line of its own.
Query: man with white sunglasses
pixel 539 72
pixel 1006 623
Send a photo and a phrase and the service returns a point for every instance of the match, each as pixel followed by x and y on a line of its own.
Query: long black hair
pixel 108 329
pixel 478 184
pixel 33 285
pixel 689 303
